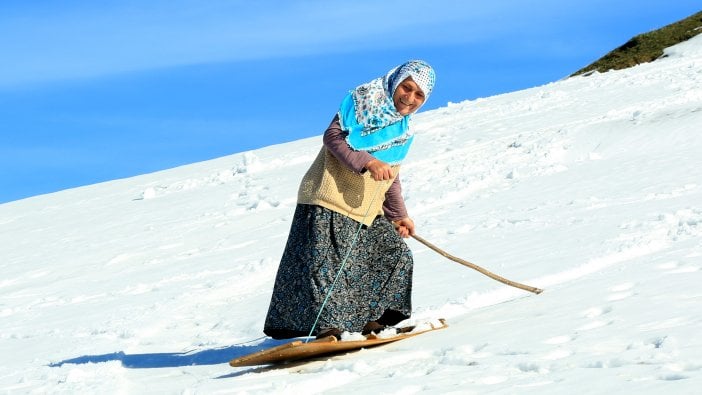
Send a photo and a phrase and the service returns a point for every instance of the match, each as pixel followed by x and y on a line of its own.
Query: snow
pixel 589 188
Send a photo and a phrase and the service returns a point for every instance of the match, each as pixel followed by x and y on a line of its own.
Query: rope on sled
pixel 343 263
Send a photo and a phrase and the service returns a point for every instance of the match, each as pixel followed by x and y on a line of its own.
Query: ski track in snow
pixel 588 187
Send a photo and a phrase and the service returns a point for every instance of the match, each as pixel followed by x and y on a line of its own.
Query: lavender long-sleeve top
pixel 335 141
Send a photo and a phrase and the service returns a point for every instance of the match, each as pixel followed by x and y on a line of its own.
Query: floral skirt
pixel 376 279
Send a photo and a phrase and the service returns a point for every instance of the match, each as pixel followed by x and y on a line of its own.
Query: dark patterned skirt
pixel 376 280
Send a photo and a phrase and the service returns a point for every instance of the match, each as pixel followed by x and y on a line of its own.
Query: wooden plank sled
pixel 299 350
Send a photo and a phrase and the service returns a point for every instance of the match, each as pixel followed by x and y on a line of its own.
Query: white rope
pixel 343 263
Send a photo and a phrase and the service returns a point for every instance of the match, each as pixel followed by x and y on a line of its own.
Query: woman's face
pixel 408 97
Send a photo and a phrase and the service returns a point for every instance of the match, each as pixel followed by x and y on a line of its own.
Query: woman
pixel 350 213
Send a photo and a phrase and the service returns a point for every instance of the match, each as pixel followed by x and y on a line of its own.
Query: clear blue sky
pixel 95 91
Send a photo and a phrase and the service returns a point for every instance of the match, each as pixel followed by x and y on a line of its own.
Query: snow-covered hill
pixel 590 188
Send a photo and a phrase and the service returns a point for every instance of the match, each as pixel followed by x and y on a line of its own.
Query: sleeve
pixel 335 142
pixel 394 205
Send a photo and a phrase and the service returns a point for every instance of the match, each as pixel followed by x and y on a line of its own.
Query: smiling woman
pixel 351 217
pixel 408 97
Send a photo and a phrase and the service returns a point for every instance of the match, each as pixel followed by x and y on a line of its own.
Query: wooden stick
pixel 478 268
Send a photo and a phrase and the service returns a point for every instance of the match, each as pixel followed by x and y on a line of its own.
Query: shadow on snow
pixel 169 360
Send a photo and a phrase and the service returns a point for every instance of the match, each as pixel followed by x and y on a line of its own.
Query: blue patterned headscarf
pixel 369 115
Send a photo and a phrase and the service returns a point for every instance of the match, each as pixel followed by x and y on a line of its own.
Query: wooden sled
pixel 299 350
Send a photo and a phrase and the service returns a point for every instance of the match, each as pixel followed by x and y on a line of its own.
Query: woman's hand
pixel 380 170
pixel 405 227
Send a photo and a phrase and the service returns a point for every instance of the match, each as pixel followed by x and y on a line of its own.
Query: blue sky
pixel 95 91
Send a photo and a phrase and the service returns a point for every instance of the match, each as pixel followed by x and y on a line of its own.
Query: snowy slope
pixel 589 187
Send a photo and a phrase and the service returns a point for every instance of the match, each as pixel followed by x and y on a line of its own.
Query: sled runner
pixel 299 350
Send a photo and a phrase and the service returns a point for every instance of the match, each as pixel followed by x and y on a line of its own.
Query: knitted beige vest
pixel 330 184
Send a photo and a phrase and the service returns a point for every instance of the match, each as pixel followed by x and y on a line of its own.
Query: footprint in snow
pixel 596 311
pixel 592 313
pixel 674 267
pixel 621 292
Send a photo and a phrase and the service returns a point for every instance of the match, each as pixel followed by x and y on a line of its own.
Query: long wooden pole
pixel 478 268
